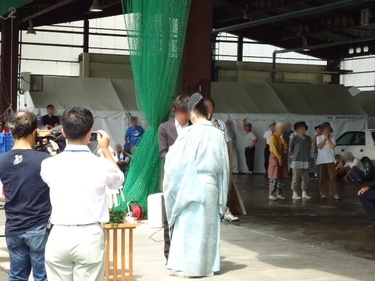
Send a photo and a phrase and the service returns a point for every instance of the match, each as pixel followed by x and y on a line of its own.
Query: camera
pixel 54 141
pixel 94 136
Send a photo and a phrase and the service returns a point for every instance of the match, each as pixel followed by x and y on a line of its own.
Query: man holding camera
pixel 27 202
pixel 75 248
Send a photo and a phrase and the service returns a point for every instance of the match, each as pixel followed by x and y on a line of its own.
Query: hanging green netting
pixel 156 34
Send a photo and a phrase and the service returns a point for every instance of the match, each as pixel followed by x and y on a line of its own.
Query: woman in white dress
pixel 195 187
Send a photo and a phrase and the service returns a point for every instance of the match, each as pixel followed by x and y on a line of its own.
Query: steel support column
pixel 9 64
pixel 334 66
pixel 240 48
pixel 196 64
pixel 86 34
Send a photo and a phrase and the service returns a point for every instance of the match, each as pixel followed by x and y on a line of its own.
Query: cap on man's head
pixel 272 123
pixel 194 100
pixel 40 119
pixel 2 124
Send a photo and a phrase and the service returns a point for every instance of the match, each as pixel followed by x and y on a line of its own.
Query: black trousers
pixel 250 157
pixel 368 204
pixel 266 157
pixel 167 239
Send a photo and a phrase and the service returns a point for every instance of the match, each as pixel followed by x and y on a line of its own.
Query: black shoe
pixel 238 173
pixel 372 225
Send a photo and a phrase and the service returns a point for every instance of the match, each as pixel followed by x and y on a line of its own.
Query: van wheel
pixel 369 169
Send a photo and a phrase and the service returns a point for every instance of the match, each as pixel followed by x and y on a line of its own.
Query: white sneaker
pixel 229 217
pixel 250 172
pixel 296 197
pixel 323 196
pixel 273 198
pixel 280 197
pixel 337 197
pixel 306 197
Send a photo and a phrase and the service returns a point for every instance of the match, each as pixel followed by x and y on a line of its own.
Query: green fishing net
pixel 156 34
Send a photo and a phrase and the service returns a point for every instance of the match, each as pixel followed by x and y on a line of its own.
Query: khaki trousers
pixel 298 175
pixel 75 253
pixel 331 169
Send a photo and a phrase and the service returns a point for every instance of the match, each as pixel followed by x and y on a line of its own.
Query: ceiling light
pixel 351 50
pixel 365 48
pixel 31 30
pixel 358 50
pixel 305 46
pixel 96 7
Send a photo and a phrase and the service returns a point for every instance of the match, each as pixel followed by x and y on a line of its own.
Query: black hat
pixel 194 100
pixel 328 124
pixel 318 127
pixel 299 125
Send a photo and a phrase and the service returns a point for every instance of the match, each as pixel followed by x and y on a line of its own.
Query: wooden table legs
pixel 115 229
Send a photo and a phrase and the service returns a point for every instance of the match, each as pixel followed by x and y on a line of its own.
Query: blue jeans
pixel 26 251
pixel 357 174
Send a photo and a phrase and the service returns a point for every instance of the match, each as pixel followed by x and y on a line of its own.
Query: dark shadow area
pixel 226 266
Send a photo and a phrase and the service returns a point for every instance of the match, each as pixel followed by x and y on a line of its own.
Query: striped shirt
pixel 301 148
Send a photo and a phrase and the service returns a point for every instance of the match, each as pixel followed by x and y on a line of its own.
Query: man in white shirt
pixel 210 105
pixel 75 247
pixel 354 168
pixel 249 143
pixel 266 140
pixel 326 160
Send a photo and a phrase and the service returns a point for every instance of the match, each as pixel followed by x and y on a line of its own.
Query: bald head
pixel 22 124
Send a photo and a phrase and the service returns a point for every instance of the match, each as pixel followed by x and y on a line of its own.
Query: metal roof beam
pixel 323 25
pixel 47 10
pixel 238 9
pixel 291 15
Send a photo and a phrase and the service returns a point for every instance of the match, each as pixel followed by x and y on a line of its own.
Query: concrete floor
pixel 312 240
pixel 334 225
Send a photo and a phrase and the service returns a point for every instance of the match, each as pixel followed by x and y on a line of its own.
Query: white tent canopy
pixel 112 101
pixel 366 100
pixel 261 104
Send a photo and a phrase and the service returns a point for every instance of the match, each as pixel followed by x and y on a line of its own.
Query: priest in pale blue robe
pixel 195 188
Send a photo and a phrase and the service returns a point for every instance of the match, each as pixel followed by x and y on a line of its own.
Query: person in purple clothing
pixel 133 133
